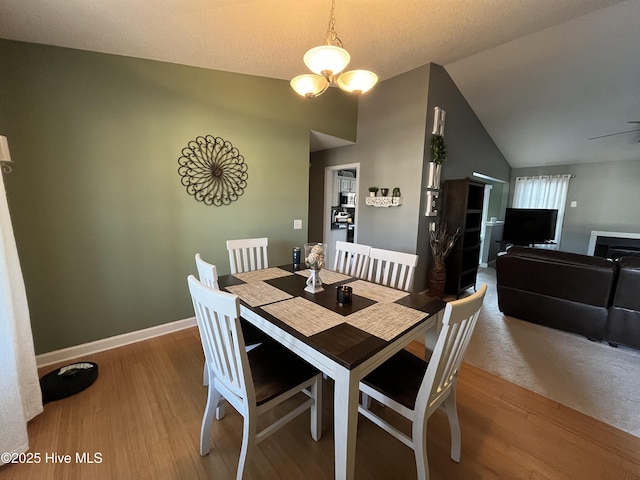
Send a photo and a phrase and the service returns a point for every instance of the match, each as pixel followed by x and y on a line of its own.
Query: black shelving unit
pixel 462 207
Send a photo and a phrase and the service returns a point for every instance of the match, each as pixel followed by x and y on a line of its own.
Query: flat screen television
pixel 526 226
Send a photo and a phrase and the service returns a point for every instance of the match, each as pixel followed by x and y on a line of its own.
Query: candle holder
pixel 344 294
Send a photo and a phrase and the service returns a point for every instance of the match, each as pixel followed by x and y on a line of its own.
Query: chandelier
pixel 327 62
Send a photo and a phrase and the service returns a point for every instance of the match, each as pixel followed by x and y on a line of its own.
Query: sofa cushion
pixel 575 317
pixel 569 276
pixel 623 324
pixel 628 288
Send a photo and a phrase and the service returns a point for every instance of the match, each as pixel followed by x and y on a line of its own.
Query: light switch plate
pixel 297 224
pixel 574 204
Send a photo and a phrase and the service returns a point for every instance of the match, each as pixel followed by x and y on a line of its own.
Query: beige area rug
pixel 591 377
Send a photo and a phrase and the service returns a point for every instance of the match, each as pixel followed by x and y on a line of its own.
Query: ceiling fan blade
pixel 613 134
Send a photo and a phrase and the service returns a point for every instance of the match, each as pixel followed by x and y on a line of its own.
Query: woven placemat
pixel 327 276
pixel 307 317
pixel 385 320
pixel 262 275
pixel 376 292
pixel 258 293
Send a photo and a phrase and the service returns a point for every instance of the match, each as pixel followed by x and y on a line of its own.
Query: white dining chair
pixel 393 269
pixel 208 274
pixel 247 254
pixel 351 258
pixel 252 382
pixel 415 389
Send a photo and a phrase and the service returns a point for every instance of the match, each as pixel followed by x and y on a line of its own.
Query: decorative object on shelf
pixel 439 115
pixel 326 62
pixel 373 191
pixel 433 175
pixel 441 243
pixel 438 157
pixel 213 170
pixel 438 149
pixel 5 156
pixel 432 203
pixel 314 260
pixel 384 192
pixel 396 192
pixel 383 201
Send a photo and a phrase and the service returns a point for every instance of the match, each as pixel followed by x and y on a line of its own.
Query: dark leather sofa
pixel 567 291
pixel 623 323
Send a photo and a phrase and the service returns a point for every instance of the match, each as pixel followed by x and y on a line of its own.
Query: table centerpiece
pixel 314 260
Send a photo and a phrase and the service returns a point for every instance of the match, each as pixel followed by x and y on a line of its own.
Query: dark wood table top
pixel 344 343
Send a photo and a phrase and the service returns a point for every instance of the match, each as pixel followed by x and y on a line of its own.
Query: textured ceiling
pixel 509 58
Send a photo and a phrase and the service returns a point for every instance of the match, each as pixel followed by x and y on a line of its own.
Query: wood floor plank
pixel 143 416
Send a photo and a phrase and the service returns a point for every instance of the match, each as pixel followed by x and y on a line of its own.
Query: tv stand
pixel 505 245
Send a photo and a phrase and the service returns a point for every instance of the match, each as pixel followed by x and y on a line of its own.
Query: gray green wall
pixel 607 196
pixel 105 231
pixel 394 133
pixel 469 149
pixel 391 124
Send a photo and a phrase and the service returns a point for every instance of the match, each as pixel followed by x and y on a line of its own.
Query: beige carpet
pixel 591 377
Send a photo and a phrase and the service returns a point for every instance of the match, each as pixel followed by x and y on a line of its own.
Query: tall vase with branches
pixel 441 243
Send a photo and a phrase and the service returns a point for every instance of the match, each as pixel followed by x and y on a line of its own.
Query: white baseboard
pixel 76 351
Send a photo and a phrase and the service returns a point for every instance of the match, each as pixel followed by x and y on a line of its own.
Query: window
pixel 547 191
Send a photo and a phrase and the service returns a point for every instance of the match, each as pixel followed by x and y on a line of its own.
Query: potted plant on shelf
pixel 373 191
pixel 441 242
pixel 438 157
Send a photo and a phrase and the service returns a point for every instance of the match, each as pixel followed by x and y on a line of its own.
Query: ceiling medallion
pixel 213 170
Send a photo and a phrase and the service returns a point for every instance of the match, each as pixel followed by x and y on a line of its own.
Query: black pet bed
pixel 68 380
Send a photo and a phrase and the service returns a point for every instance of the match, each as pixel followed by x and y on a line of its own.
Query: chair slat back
pixel 393 269
pixel 218 314
pixel 247 254
pixel 351 258
pixel 207 273
pixel 460 318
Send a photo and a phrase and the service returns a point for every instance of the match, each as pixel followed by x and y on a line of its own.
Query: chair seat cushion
pixel 399 378
pixel 275 370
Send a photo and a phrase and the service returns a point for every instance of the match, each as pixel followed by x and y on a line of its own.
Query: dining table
pixel 345 341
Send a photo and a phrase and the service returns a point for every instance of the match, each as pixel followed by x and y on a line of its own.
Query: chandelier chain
pixel 332 36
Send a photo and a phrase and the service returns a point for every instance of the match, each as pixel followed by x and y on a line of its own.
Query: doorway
pixel 495 197
pixel 341 204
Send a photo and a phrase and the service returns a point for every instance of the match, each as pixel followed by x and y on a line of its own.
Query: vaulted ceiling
pixel 543 76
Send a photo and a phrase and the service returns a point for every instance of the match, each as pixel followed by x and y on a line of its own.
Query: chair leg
pixel 248 442
pixel 316 409
pixel 419 437
pixel 213 399
pixel 220 411
pixel 220 403
pixel 452 414
pixel 205 375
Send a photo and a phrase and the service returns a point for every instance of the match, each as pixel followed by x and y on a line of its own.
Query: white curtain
pixel 20 396
pixel 547 191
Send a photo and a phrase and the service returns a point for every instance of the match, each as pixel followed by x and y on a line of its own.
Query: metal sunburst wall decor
pixel 213 170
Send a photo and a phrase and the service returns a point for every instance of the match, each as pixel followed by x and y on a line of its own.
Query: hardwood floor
pixel 142 416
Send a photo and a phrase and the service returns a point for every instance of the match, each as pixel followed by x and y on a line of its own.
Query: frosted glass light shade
pixel 326 60
pixel 357 81
pixel 309 85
